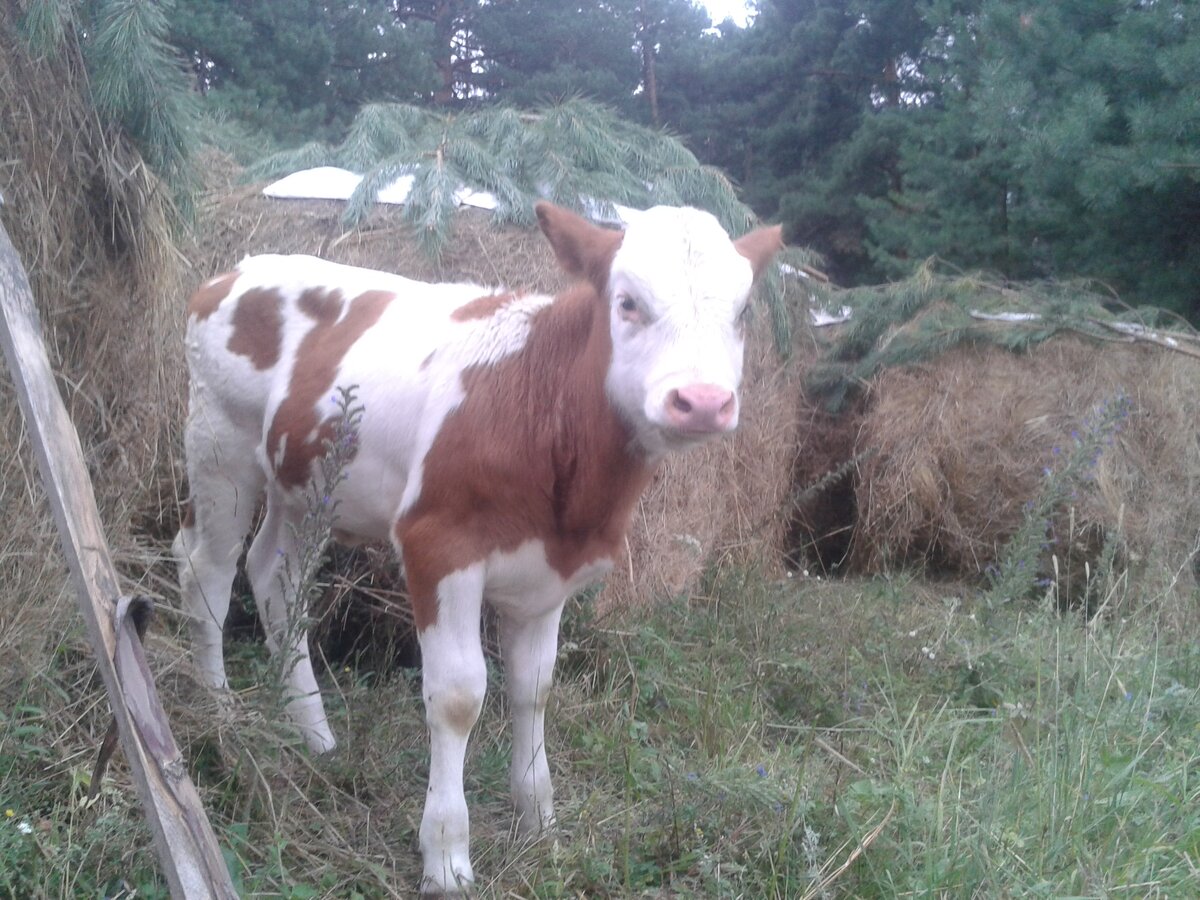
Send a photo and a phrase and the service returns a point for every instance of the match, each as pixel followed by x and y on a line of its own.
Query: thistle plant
pixel 1016 574
pixel 298 576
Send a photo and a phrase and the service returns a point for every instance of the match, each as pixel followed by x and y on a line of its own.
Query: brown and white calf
pixel 504 441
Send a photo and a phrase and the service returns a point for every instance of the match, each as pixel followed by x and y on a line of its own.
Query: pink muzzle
pixel 701 409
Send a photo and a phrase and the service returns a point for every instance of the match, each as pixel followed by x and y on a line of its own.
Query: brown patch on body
pixel 297 424
pixel 258 327
pixel 482 307
pixel 188 515
pixel 322 304
pixel 535 451
pixel 209 295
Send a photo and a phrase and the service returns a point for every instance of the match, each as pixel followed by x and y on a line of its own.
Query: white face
pixel 677 292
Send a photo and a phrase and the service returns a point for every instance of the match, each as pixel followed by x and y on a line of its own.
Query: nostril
pixel 680 403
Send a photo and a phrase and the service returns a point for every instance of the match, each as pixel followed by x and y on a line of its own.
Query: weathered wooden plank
pixel 187 848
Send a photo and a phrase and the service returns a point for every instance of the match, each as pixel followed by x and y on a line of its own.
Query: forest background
pixel 1033 140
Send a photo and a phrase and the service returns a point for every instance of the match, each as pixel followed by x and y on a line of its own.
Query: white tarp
pixel 332 183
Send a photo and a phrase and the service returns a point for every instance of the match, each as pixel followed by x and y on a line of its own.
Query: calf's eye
pixel 630 309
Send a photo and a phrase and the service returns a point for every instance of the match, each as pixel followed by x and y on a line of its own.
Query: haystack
pixel 92 228
pixel 713 504
pixel 939 463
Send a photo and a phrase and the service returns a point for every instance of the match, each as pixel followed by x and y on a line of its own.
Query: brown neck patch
pixel 258 327
pixel 318 357
pixel 482 307
pixel 534 452
pixel 205 301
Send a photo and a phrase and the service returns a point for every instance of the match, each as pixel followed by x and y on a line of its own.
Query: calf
pixel 504 441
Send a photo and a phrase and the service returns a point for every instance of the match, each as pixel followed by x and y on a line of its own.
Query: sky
pixel 720 10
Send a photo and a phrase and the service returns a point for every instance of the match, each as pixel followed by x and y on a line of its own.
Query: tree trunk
pixel 649 77
pixel 651 83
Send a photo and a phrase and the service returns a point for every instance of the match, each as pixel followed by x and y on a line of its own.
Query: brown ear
pixel 583 249
pixel 760 246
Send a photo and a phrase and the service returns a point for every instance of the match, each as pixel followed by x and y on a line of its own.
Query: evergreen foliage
pixel 1045 141
pixel 1039 141
pixel 800 109
pixel 541 51
pixel 137 79
pixel 915 319
pixel 299 69
pixel 1065 139
pixel 577 153
pixel 573 153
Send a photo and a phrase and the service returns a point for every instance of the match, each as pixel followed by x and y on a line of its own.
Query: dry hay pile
pixel 945 456
pixel 91 227
pixel 713 504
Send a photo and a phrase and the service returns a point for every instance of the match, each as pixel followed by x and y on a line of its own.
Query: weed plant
pixel 298 577
pixel 1017 574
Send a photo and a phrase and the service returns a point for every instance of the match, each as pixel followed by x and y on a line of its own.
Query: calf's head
pixel 677 290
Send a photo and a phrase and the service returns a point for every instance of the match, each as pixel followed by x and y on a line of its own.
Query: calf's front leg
pixel 530 646
pixel 454 679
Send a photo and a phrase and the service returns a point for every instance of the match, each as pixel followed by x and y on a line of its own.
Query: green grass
pixel 760 739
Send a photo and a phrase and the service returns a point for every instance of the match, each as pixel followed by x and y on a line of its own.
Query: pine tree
pixel 543 51
pixel 453 46
pixel 799 108
pixel 299 69
pixel 530 52
pixel 1064 140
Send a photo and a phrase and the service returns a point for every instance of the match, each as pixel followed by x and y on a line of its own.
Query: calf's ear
pixel 583 249
pixel 760 246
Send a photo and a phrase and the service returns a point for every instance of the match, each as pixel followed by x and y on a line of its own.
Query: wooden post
pixel 187 848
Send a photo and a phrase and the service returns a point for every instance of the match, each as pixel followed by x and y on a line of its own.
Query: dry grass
pixel 94 231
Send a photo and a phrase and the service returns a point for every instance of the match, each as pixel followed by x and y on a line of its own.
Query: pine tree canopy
pixel 1064 140
pixel 297 69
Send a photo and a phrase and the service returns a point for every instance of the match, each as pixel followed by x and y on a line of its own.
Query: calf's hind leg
pixel 224 480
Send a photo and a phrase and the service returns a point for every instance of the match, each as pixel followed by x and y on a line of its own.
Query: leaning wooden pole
pixel 187 848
